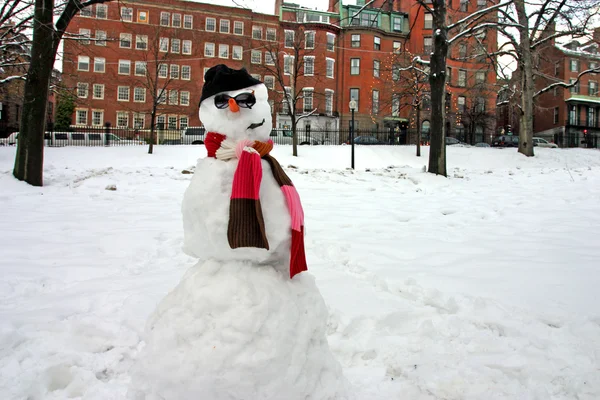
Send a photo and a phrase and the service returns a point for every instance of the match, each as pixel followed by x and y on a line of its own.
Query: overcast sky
pixel 268 6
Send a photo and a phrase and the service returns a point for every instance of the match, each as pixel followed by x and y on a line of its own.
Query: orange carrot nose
pixel 233 105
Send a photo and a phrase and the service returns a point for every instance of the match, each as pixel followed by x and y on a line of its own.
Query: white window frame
pixel 94 113
pixel 182 124
pixel 462 78
pixel 256 57
pixel 210 21
pixel 163 45
pixel 376 68
pixel 238 28
pixel 428 21
pixel 184 98
pixel 209 49
pixel 101 87
pixel 269 58
pixel 306 41
pixel 103 7
pixel 267 79
pixel 272 32
pixel 143 40
pixel 78 120
pixel 329 95
pixel 127 14
pixel 140 65
pixel 329 60
pixel 122 63
pixel 174 71
pixel 237 52
pixel 186 47
pixel 331 43
pixel 187 68
pixel 224 26
pixel 125 36
pixel 82 60
pixel 255 29
pixel 288 34
pixel 86 35
pixel 176 20
pixel 120 116
pixel 142 118
pixel 305 97
pixel 309 65
pixel 128 90
pixel 288 66
pixel 163 70
pixel 188 22
pixel 100 38
pixel 99 61
pixel 175 46
pixel 355 66
pixel 83 90
pixel 173 97
pixel 164 19
pixel 375 102
pixel 223 50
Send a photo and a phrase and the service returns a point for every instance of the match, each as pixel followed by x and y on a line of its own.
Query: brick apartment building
pixel 122 54
pixel 569 117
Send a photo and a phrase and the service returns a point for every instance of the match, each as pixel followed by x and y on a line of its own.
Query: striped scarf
pixel 246 224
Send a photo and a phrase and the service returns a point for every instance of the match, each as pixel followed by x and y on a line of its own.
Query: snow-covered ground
pixel 481 285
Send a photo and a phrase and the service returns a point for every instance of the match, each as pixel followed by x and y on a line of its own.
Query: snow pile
pixel 237 331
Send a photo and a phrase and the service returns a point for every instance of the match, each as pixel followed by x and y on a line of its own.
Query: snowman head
pixel 235 104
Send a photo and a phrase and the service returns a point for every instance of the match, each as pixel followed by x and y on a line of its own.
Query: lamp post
pixel 352 108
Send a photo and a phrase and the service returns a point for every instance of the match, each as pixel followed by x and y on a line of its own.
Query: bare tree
pixel 292 66
pixel 15 20
pixel 47 34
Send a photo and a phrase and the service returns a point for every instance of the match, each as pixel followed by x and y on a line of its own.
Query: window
pixel 330 41
pixel 376 67
pixel 188 21
pixel 187 47
pixel 161 121
pixel 397 47
pixel 173 97
pixel 556 111
pixel 462 50
pixel 288 64
pixel 142 17
pixel 183 122
pixel 574 65
pixel 427 45
pixel 83 63
pixel 479 105
pixel 86 12
pixel 122 119
pixel 85 34
pixel 237 52
pixel 365 19
pixel 328 101
pixel 140 68
pixel 354 95
pixel 138 121
pixel 123 93
pixel 98 92
pixel 101 11
pixel 556 68
pixel 161 96
pixel 591 117
pixel 289 39
pixel 308 99
pixel 481 3
pixel 377 43
pixel 375 108
pixel 99 64
pixel 461 103
pixel 139 95
pixel 184 98
pixel 100 38
pixel 125 40
pixel 330 67
pixel 163 70
pixel 309 65
pixel 224 26
pixel 141 42
pixel 210 25
pixel 355 41
pixel 82 90
pixel 164 18
pixel 163 44
pixel 172 122
pixel 575 87
pixel 257 32
pixel 186 72
pixel 428 21
pixel 269 82
pixel 97 117
pixel 395 105
pixel 269 58
pixel 395 72
pixel 464 5
pixel 124 67
pixel 462 78
pixel 174 71
pixel 176 21
pixel 480 77
pixel 593 65
pixel 255 57
pixel 593 88
pixel 271 34
pixel 175 46
pixel 238 27
pixel 573 116
pixel 287 101
pixel 223 51
pixel 81 117
pixel 209 49
pixel 397 24
pixel 309 40
pixel 354 66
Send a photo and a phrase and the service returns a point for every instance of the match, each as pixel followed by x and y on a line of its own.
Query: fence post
pixel 107 133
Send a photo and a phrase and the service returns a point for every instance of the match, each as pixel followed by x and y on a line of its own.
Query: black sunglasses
pixel 245 100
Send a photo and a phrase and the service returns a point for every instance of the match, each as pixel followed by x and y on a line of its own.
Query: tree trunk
pixel 29 161
pixel 294 136
pixel 526 120
pixel 437 82
pixel 418 130
pixel 152 130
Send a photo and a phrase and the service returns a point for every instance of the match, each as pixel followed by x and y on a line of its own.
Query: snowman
pixel 245 322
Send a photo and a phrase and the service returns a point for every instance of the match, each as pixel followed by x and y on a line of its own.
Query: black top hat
pixel 221 78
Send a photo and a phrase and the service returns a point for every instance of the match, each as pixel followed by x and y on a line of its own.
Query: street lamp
pixel 352 108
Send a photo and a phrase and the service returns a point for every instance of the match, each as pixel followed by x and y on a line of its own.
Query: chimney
pixel 278 4
pixel 549 30
pixel 334 6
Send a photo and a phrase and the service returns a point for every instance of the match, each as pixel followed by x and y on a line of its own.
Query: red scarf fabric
pixel 246 224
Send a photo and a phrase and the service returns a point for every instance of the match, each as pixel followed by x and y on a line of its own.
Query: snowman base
pixel 236 330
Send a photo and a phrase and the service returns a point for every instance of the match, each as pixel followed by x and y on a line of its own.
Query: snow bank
pixel 237 331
